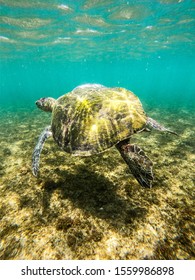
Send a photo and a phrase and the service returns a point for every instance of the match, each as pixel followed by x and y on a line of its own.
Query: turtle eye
pixel 42 100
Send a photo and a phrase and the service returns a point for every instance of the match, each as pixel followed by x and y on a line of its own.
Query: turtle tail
pixel 151 123
pixel 38 148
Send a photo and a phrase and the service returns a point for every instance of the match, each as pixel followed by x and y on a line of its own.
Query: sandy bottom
pixel 93 208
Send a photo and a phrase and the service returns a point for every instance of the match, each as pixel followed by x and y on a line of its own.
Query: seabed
pixel 93 208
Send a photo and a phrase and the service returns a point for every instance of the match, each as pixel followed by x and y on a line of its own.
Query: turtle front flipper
pixel 38 148
pixel 155 125
pixel 139 164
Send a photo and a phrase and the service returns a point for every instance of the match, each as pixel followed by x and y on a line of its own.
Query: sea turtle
pixel 91 119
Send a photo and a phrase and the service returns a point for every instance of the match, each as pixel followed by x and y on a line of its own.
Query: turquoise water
pixel 49 47
pixel 93 208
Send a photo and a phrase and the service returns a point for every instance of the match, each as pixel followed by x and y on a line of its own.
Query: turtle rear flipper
pixel 139 164
pixel 155 125
pixel 38 148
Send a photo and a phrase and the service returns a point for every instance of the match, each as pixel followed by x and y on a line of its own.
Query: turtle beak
pixel 37 103
pixel 40 103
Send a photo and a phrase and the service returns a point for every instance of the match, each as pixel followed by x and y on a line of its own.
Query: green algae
pixel 93 208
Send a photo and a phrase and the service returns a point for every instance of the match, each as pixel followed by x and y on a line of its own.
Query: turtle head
pixel 46 104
